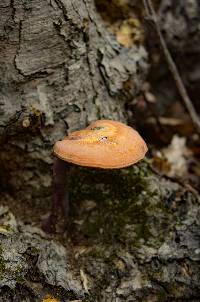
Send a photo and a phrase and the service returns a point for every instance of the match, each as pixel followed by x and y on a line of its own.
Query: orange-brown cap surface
pixel 103 144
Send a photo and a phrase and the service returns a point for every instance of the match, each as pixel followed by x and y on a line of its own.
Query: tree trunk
pixel 133 236
pixel 60 69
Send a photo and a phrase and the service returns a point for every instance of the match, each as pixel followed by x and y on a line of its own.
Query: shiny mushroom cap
pixel 103 144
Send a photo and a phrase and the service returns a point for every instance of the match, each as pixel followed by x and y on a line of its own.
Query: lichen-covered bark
pixel 133 237
pixel 60 68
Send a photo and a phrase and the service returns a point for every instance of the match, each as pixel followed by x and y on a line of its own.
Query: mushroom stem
pixel 57 221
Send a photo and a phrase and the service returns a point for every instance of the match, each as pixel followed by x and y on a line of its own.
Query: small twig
pixel 187 187
pixel 150 11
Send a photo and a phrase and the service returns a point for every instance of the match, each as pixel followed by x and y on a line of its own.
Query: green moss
pixel 7 227
pixel 2 264
pixel 18 274
pixel 33 250
pixel 123 201
pixel 162 295
pixel 92 298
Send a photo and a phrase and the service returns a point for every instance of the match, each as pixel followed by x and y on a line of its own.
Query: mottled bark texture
pixel 135 238
pixel 60 69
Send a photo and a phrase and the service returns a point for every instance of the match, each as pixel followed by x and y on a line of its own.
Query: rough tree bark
pixel 133 236
pixel 59 69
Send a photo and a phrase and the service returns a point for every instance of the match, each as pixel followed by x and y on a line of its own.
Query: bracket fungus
pixel 104 144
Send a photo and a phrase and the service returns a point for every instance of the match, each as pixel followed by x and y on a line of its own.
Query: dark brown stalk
pixel 57 221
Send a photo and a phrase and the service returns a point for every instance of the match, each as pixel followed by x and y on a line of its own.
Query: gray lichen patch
pixel 28 257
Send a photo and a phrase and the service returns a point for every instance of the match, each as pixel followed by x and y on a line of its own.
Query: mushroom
pixel 104 144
